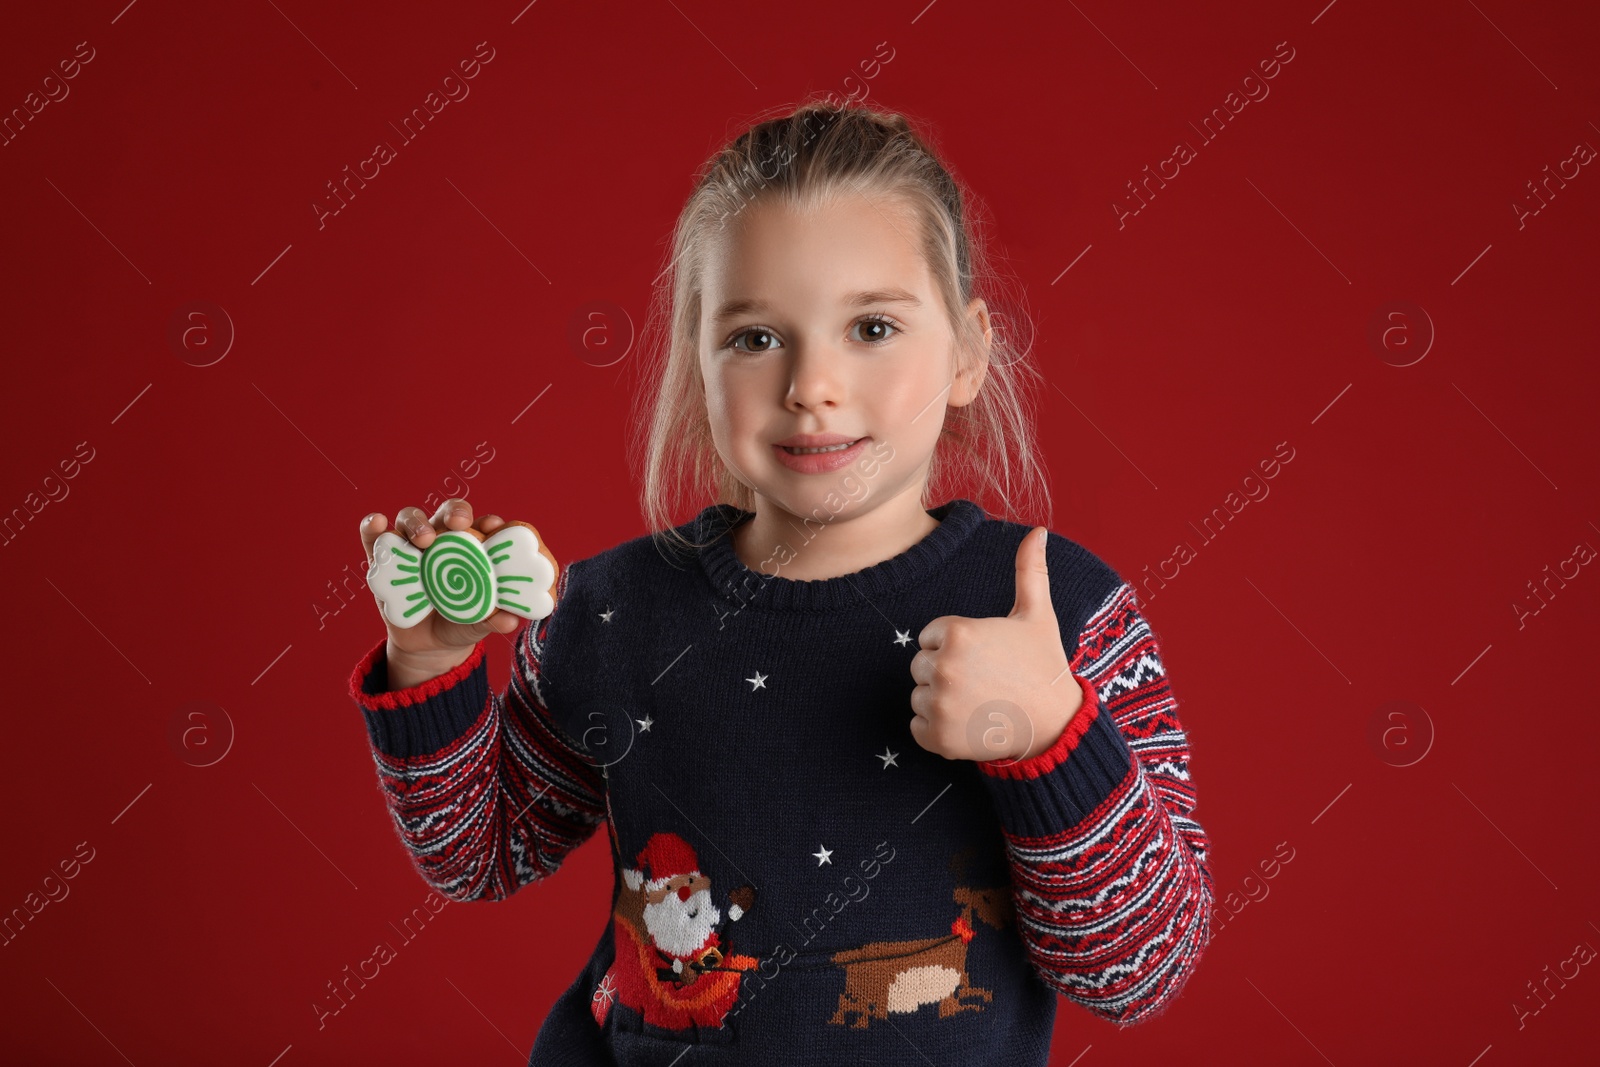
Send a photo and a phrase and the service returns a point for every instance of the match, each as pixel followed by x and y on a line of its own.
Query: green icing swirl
pixel 459 578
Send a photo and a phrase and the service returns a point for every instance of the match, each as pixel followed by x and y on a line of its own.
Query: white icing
pixel 395 559
pixel 523 577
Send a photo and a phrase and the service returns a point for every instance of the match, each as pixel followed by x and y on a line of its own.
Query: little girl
pixel 879 779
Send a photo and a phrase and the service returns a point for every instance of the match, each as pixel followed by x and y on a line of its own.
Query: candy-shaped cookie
pixel 463 575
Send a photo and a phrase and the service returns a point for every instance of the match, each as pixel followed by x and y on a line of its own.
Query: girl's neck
pixel 817 550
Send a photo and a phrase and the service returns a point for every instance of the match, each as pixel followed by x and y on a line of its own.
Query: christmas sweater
pixel 796 880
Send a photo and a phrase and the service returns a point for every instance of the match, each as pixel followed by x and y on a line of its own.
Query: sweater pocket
pixel 633 1049
pixel 637 1042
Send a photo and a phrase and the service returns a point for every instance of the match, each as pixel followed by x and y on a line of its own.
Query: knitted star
pixel 758 682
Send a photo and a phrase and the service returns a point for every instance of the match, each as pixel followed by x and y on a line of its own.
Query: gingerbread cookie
pixel 463 575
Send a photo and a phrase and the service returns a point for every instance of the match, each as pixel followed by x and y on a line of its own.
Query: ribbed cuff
pixel 425 718
pixel 1046 761
pixel 1062 786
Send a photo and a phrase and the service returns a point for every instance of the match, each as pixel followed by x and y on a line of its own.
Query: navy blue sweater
pixel 797 881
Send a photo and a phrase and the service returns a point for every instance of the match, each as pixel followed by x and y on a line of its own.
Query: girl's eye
pixel 883 325
pixel 769 342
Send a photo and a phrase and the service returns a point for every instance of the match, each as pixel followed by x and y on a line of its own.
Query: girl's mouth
pixel 809 451
pixel 819 460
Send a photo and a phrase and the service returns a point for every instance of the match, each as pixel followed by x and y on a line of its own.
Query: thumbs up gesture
pixel 996 689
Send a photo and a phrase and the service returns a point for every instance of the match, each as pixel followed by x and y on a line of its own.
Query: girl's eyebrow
pixel 748 305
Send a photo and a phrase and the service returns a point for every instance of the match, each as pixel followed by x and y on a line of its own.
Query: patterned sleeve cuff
pixel 425 718
pixel 1061 786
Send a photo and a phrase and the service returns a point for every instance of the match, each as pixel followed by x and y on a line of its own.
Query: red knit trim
pixel 417 694
pixel 1051 758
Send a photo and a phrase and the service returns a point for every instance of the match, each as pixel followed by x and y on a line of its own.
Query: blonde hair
pixel 802 157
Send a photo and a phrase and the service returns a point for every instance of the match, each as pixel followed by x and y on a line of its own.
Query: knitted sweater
pixel 796 879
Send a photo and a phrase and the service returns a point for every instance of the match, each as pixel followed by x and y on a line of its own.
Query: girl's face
pixel 827 326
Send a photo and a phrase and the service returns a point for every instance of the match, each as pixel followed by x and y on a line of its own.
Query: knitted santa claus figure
pixel 678 913
pixel 673 964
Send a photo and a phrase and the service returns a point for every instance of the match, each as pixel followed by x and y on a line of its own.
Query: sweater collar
pixel 734 581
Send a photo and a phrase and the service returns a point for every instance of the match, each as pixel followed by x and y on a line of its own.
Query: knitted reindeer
pixel 902 976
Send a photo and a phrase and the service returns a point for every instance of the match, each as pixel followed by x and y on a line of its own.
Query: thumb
pixel 1033 577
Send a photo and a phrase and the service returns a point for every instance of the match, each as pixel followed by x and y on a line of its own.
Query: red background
pixel 1231 314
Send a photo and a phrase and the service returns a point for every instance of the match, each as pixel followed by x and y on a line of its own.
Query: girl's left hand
pixel 987 688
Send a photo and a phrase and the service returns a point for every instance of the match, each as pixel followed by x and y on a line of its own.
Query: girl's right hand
pixel 435 645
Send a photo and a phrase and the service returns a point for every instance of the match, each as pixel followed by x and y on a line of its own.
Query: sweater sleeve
pixel 1110 873
pixel 486 791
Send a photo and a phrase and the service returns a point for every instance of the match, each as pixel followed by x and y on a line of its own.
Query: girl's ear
pixel 964 390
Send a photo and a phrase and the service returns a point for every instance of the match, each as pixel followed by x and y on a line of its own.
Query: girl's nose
pixel 815 378
pixel 683 892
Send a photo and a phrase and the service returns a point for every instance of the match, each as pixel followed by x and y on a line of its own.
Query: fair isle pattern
pixel 1115 911
pixel 511 792
pixel 1117 642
